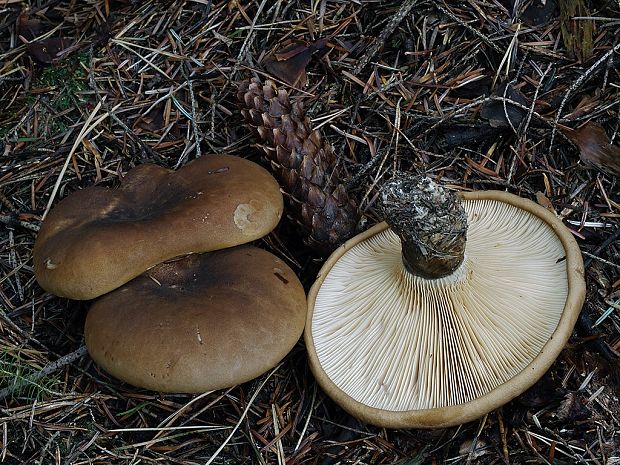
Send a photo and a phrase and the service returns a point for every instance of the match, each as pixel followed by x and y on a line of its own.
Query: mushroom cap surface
pixel 97 239
pixel 198 323
pixel 401 351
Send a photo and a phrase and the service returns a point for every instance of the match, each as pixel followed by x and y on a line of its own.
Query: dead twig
pixel 47 370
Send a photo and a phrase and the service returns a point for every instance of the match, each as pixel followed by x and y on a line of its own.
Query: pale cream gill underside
pixel 398 342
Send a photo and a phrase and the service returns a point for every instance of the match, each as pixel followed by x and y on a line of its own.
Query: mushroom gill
pixel 395 341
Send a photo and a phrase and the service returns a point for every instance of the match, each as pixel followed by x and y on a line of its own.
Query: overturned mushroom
pixel 96 239
pixel 201 322
pixel 461 313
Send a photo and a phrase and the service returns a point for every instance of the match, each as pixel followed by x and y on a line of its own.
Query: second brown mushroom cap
pixel 199 323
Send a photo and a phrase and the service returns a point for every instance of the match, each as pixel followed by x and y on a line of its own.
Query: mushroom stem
pixel 430 221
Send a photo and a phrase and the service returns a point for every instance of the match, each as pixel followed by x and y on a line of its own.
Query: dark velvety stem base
pixel 430 221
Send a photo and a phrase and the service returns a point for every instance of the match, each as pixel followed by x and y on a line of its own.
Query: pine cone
pixel 303 163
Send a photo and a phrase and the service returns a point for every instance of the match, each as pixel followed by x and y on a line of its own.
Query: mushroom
pixel 450 309
pixel 97 239
pixel 198 323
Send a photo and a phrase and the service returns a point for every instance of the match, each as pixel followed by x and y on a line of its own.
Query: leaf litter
pixel 401 86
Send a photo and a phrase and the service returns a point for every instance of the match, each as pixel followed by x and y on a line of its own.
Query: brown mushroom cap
pixel 400 350
pixel 97 239
pixel 200 322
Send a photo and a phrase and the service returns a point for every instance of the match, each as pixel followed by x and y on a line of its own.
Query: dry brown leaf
pixel 152 121
pixel 44 50
pixel 544 201
pixel 496 112
pixel 27 27
pixel 47 50
pixel 289 63
pixel 595 148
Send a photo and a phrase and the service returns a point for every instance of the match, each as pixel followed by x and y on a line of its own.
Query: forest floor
pixel 522 97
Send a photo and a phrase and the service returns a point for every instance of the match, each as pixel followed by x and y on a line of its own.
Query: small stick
pixel 610 240
pixel 575 85
pixel 46 370
pixel 197 135
pixel 472 29
pixel 13 222
pixel 243 415
pixel 404 10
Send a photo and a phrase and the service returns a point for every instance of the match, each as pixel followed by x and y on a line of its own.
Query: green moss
pixel 59 94
pixel 67 80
